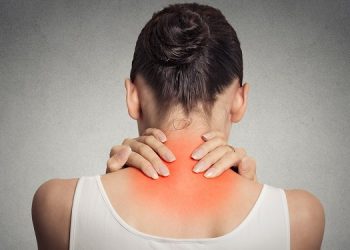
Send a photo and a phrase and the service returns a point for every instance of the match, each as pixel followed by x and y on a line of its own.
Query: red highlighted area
pixel 184 194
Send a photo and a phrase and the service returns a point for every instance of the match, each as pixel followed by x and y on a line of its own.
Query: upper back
pixel 132 226
pixel 183 209
pixel 175 205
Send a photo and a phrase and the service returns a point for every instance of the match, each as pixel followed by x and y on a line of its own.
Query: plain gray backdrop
pixel 62 101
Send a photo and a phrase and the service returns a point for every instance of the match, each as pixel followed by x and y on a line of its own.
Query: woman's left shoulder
pixel 51 212
pixel 307 219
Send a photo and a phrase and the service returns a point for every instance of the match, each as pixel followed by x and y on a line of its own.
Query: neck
pixel 181 127
pixel 184 135
pixel 184 193
pixel 182 144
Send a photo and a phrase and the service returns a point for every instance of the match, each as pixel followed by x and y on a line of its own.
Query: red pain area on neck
pixel 183 193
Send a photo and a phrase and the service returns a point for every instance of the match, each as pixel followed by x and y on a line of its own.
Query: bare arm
pixel 307 220
pixel 52 207
pixel 51 213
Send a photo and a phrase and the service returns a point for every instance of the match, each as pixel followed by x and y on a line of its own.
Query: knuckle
pixel 126 141
pixel 147 131
pixel 114 150
pixel 143 150
pixel 149 139
pixel 140 138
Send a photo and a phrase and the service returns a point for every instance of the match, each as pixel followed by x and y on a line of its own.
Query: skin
pixel 198 206
pixel 150 149
pixel 53 200
pixel 170 190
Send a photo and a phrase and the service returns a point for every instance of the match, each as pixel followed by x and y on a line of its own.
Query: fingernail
pixel 207 136
pixel 163 170
pixel 210 173
pixel 197 154
pixel 153 174
pixel 124 152
pixel 199 167
pixel 169 157
pixel 162 138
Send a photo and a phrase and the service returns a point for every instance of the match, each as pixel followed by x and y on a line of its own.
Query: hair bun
pixel 177 37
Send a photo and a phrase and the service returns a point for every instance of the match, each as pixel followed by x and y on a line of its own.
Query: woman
pixel 186 79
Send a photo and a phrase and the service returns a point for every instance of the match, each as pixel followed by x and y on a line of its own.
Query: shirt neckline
pixel 136 232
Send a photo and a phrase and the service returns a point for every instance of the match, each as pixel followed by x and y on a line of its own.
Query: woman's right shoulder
pixel 51 211
pixel 307 219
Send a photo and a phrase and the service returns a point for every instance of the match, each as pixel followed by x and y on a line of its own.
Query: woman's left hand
pixel 216 156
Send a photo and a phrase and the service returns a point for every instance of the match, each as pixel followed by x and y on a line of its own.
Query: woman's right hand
pixel 146 152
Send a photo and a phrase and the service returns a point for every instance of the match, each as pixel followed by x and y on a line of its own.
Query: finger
pixel 148 153
pixel 121 155
pixel 208 146
pixel 211 134
pixel 139 162
pixel 229 159
pixel 210 158
pixel 158 147
pixel 157 133
pixel 247 168
pixel 115 149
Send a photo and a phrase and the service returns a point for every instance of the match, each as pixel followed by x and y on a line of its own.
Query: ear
pixel 132 99
pixel 239 104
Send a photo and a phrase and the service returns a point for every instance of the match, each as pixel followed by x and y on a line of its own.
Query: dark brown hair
pixel 187 54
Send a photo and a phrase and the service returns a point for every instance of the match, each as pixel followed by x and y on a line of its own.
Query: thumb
pixel 119 158
pixel 247 168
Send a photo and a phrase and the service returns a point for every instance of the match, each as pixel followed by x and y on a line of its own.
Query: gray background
pixel 62 103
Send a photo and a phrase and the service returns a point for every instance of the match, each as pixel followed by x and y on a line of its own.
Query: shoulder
pixel 307 219
pixel 51 212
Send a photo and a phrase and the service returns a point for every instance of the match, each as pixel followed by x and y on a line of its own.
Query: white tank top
pixel 95 224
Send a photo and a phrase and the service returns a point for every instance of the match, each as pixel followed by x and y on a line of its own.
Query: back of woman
pixel 186 80
pixel 184 210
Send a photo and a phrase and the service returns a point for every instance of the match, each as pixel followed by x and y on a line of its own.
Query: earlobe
pixel 132 99
pixel 239 105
